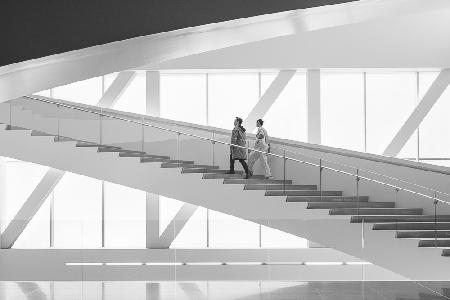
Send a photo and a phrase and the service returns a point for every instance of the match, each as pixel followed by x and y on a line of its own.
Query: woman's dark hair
pixel 239 121
pixel 260 121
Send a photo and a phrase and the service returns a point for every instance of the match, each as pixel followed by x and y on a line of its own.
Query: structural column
pixel 313 105
pixel 153 108
pixel 152 95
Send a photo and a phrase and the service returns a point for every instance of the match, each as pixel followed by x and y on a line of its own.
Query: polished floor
pixel 242 290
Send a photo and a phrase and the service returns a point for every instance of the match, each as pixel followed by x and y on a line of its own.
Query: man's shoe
pixel 268 177
pixel 247 176
pixel 230 172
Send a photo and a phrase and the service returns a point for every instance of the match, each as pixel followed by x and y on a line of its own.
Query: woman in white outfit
pixel 262 144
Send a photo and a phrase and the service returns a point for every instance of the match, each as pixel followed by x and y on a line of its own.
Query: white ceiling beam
pixel 30 207
pixel 268 99
pixel 116 89
pixel 418 114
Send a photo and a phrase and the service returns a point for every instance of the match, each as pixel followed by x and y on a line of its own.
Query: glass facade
pixel 359 111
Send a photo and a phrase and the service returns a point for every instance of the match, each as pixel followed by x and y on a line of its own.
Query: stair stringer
pixel 401 256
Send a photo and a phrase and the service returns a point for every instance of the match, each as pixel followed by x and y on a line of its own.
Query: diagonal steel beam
pixel 116 89
pixel 177 224
pixel 154 239
pixel 419 113
pixel 268 99
pixel 30 207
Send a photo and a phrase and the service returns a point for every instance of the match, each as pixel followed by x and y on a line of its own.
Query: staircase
pixel 403 240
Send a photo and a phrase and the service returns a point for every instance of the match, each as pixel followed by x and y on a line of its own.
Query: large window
pixel 183 97
pixel 78 212
pixel 391 97
pixel 231 95
pixel 342 109
pixel 435 128
pixel 87 91
pixel 287 117
pixel 124 217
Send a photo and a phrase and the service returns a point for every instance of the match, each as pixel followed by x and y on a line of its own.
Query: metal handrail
pixel 363 170
pixel 358 177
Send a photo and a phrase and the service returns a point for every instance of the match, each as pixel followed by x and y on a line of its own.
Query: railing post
pixel 58 117
pixel 284 171
pixel 320 178
pixel 395 205
pixel 178 145
pixel 143 136
pixel 357 189
pixel 101 125
pixel 435 202
pixel 10 114
pixel 213 150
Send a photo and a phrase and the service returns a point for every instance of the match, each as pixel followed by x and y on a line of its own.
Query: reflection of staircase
pixel 384 214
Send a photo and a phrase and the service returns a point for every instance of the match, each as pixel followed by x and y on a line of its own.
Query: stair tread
pixel 13 127
pixel 205 170
pixel 423 234
pixel 140 154
pixel 265 186
pixel 164 160
pixel 390 219
pixel 434 243
pixel 255 180
pixel 327 199
pixel 411 226
pixel 353 204
pixel 63 139
pixel 181 165
pixel 302 193
pixel 376 211
pixel 40 133
pixel 229 176
pixel 109 149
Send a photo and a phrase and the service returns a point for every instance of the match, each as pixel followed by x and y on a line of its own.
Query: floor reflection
pixel 240 290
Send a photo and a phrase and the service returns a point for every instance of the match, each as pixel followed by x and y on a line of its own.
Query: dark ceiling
pixel 33 29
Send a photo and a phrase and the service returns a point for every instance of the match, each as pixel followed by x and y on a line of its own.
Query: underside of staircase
pixel 402 240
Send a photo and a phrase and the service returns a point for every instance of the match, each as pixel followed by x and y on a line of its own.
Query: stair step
pixel 205 170
pixel 327 199
pixel 229 176
pixel 140 154
pixel 430 234
pixel 164 160
pixel 175 165
pixel 376 211
pixel 446 252
pixel 412 226
pixel 303 193
pixel 88 144
pixel 331 205
pixel 391 219
pixel 110 149
pixel 254 180
pixel 63 139
pixel 12 127
pixel 434 243
pixel 267 187
pixel 40 133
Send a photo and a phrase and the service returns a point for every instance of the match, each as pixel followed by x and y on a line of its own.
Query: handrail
pixel 358 177
pixel 318 148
